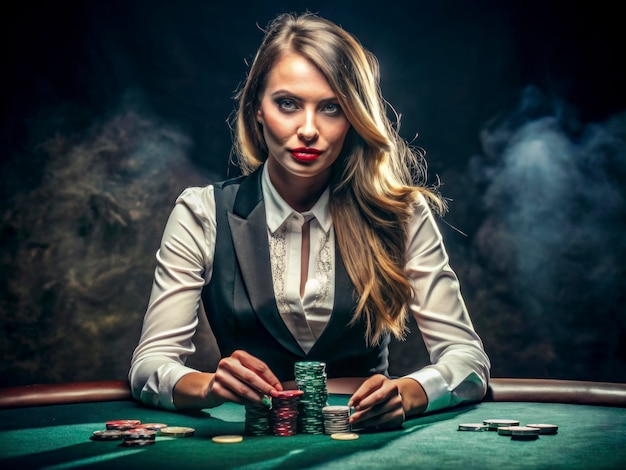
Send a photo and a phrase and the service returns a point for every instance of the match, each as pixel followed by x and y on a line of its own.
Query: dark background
pixel 111 108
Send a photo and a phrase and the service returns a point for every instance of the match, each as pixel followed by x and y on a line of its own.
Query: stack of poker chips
pixel 122 424
pixel 311 379
pixel 258 420
pixel 138 437
pixel 285 412
pixel 130 431
pixel 336 419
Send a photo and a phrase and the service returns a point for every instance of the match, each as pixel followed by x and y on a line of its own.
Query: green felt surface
pixel 57 437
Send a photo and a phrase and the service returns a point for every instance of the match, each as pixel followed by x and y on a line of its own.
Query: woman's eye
pixel 332 108
pixel 286 103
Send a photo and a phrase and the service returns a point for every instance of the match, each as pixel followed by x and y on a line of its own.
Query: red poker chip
pixel 122 424
pixel 139 433
pixel 288 394
pixel 137 442
pixel 152 426
pixel 107 435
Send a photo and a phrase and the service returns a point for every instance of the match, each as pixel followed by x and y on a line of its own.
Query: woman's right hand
pixel 242 378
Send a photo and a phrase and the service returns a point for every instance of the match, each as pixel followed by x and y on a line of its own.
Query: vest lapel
pixel 248 227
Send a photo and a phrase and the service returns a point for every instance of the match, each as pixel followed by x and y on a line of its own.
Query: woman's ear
pixel 259 116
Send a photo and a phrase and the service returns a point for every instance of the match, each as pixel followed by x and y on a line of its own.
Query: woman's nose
pixel 308 128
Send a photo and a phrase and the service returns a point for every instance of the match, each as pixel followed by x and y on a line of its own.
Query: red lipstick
pixel 305 154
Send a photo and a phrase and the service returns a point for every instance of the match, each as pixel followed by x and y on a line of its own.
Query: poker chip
pixel 311 379
pixel 137 442
pixel 284 412
pixel 152 426
pixel 177 431
pixel 286 394
pixel 473 427
pixel 523 433
pixel 336 419
pixel 512 428
pixel 344 436
pixel 122 424
pixel 258 420
pixel 107 435
pixel 545 428
pixel 494 424
pixel 227 439
pixel 139 434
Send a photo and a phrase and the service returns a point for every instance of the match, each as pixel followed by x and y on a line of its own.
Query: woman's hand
pixel 377 403
pixel 242 378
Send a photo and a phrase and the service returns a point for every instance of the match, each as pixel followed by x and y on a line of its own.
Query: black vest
pixel 240 304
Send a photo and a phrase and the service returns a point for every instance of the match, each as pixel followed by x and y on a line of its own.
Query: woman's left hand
pixel 377 403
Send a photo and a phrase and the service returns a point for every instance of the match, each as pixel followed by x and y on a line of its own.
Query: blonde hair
pixel 377 177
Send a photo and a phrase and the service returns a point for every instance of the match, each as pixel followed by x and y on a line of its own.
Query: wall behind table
pixel 110 109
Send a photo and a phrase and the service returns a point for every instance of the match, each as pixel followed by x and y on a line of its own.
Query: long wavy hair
pixel 377 177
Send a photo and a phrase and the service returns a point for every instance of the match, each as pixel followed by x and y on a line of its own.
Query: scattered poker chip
pixel 152 426
pixel 523 433
pixel 137 442
pixel 107 435
pixel 122 424
pixel 139 434
pixel 344 436
pixel 177 431
pixel 473 427
pixel 545 428
pixel 227 439
pixel 494 424
pixel 505 431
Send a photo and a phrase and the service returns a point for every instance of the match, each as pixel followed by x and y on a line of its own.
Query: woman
pixel 320 251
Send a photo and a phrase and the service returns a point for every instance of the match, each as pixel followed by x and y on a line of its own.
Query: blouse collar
pixel 278 211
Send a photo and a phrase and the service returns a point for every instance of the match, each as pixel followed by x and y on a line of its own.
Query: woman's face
pixel 303 126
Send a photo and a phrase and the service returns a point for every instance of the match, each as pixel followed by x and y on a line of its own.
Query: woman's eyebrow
pixel 285 92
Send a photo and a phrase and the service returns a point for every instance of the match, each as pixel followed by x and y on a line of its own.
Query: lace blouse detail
pixel 323 267
pixel 305 316
pixel 278 257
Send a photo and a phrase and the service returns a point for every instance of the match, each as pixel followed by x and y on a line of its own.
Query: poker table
pixel 49 426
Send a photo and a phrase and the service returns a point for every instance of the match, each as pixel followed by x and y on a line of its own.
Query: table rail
pixel 500 389
pixel 65 393
pixel 557 391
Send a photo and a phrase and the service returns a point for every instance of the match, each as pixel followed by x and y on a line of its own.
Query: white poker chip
pixel 523 433
pixel 227 439
pixel 344 436
pixel 177 431
pixel 494 424
pixel 473 427
pixel 545 428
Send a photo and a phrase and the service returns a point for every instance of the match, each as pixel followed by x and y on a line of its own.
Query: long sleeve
pixel 459 370
pixel 184 263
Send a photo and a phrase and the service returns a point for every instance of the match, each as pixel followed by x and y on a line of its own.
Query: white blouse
pixel 459 369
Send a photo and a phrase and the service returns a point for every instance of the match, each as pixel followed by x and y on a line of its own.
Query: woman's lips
pixel 305 154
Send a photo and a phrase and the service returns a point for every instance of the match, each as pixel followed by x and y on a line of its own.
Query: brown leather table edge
pixel 557 391
pixel 500 390
pixel 62 394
